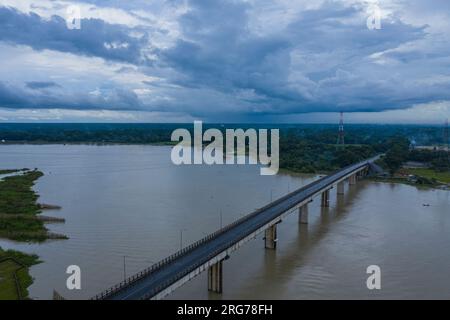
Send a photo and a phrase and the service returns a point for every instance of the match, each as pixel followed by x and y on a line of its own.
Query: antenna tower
pixel 446 142
pixel 340 139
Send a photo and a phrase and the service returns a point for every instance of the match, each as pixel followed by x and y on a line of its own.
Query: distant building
pixel 431 148
pixel 415 165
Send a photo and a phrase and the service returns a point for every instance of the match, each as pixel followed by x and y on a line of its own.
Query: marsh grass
pixel 19 208
pixel 11 262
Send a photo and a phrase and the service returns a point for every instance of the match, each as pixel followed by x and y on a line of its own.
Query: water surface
pixel 132 202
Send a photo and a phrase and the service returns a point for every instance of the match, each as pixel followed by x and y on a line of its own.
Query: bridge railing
pixel 146 272
pixel 222 248
pixel 183 273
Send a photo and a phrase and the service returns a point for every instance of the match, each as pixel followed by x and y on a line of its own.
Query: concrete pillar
pixel 352 179
pixel 325 198
pixel 303 214
pixel 360 174
pixel 271 237
pixel 215 277
pixel 340 188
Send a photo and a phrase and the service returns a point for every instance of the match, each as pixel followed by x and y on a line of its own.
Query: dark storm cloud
pixel 113 99
pixel 217 50
pixel 9 97
pixel 220 60
pixel 95 38
pixel 41 84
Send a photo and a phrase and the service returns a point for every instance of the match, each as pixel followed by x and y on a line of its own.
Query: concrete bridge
pixel 209 253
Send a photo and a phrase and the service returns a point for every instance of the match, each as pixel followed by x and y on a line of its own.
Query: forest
pixel 305 148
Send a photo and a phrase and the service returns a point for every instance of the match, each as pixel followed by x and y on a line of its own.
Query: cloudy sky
pixel 225 61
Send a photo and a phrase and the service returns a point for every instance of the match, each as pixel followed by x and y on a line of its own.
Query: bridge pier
pixel 270 238
pixel 340 188
pixel 325 198
pixel 215 277
pixel 303 214
pixel 352 179
pixel 364 172
pixel 359 175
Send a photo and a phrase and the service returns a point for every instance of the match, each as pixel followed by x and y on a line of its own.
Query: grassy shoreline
pixel 8 171
pixel 422 178
pixel 14 274
pixel 20 220
pixel 19 209
pixel 428 173
pixel 404 181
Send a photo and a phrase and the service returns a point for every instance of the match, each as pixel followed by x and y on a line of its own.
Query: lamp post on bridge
pixel 124 268
pixel 181 238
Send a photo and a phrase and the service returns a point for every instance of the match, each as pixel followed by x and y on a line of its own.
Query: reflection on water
pixel 131 201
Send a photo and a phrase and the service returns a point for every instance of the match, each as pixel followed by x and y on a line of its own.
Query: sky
pixel 385 61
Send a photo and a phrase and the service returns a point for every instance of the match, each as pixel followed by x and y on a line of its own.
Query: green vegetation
pixel 396 154
pixel 16 196
pixel 160 133
pixel 7 171
pixel 19 209
pixel 19 220
pixel 14 276
pixel 430 174
pixel 439 160
pixel 18 200
pixel 298 155
pixel 435 174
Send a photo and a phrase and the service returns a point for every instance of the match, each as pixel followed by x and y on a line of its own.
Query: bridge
pixel 209 253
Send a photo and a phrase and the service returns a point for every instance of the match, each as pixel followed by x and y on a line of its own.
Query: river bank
pixel 20 220
pixel 14 274
pixel 423 177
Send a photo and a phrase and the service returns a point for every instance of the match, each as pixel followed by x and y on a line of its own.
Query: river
pixel 126 207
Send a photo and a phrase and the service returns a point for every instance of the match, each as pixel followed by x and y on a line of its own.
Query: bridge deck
pixel 148 285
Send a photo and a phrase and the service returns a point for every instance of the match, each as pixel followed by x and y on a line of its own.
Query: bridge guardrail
pixel 110 291
pixel 144 273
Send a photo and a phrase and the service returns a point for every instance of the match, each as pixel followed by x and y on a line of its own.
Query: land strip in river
pixel 20 220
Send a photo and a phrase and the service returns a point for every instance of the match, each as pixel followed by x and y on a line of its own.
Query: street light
pixel 124 269
pixel 181 238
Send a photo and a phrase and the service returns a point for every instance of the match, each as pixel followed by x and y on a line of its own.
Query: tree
pixel 397 153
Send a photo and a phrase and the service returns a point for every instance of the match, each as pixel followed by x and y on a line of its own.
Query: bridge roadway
pixel 167 275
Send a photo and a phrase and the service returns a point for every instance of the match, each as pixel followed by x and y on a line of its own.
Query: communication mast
pixel 446 142
pixel 340 139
